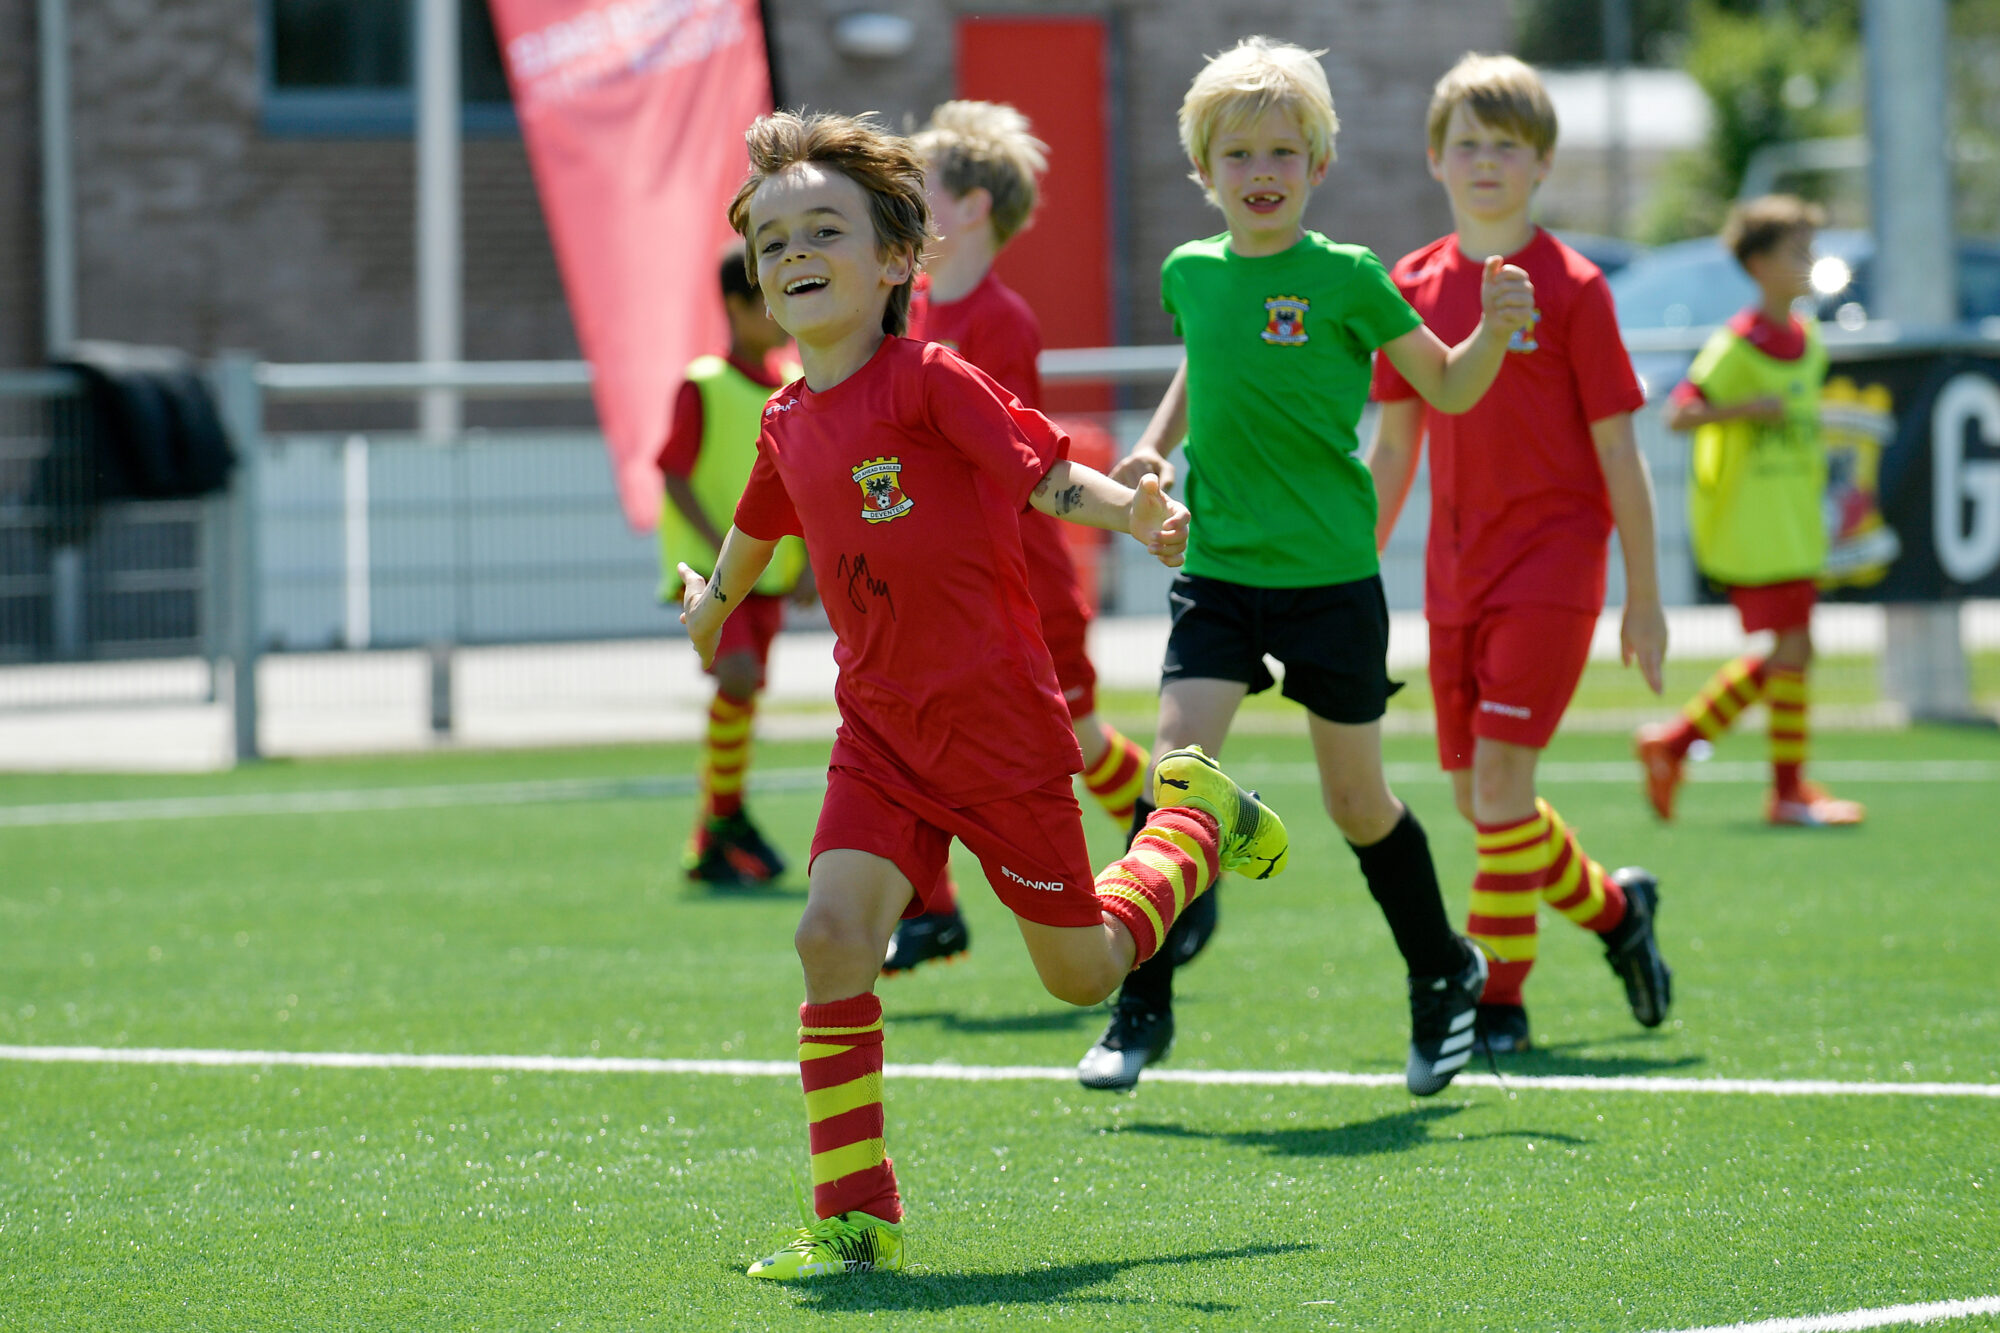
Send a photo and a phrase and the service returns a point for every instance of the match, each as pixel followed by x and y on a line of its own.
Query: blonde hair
pixel 1247 80
pixel 1761 224
pixel 1499 91
pixel 884 165
pixel 986 146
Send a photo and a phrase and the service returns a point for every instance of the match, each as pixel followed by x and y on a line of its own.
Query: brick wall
pixel 199 230
pixel 20 201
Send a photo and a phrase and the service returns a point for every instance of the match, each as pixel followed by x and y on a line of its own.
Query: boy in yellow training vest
pixel 1754 500
pixel 709 451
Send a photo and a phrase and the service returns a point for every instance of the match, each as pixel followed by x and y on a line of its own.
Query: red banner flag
pixel 634 112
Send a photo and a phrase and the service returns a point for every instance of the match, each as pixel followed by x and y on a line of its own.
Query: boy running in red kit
pixel 905 470
pixel 980 169
pixel 1526 487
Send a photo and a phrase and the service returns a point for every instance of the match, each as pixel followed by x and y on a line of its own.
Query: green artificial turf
pixel 275 1196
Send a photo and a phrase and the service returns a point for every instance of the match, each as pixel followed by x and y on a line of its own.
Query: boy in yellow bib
pixel 704 464
pixel 1755 492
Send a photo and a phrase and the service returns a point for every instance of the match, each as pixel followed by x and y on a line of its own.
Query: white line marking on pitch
pixel 1263 1078
pixel 559 790
pixel 1887 1316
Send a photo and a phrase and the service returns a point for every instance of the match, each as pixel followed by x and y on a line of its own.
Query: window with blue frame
pixel 345 69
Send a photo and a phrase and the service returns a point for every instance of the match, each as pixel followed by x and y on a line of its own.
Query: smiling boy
pixel 1525 489
pixel 905 470
pixel 1279 324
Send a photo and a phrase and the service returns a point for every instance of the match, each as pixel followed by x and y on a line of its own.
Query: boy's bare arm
pixel 1392 462
pixel 1694 413
pixel 681 493
pixel 1079 494
pixel 1642 635
pixel 1453 379
pixel 1165 431
pixel 706 603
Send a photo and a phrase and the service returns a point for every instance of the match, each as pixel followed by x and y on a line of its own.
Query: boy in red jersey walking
pixel 1758 480
pixel 710 447
pixel 905 470
pixel 1525 489
pixel 980 169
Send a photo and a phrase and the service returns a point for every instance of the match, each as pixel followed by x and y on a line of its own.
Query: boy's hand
pixel 1160 523
pixel 1143 463
pixel 1769 409
pixel 1642 638
pixel 703 615
pixel 1506 297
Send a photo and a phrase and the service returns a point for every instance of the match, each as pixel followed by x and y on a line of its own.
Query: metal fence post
pixel 241 404
pixel 1923 660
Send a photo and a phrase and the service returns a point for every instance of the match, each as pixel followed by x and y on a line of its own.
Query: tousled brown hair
pixel 884 165
pixel 1762 224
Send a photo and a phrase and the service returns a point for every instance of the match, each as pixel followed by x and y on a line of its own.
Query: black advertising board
pixel 1913 475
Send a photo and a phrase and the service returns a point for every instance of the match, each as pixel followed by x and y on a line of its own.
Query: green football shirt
pixel 1278 352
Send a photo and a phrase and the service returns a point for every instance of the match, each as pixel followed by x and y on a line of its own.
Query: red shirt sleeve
pixel 1606 384
pixel 1388 386
pixel 766 511
pixel 683 446
pixel 1014 445
pixel 1687 391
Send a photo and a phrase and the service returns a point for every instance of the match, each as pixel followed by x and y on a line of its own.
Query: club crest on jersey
pixel 1523 340
pixel 881 482
pixel 1285 320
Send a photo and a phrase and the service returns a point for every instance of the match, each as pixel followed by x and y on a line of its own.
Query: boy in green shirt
pixel 1280 323
pixel 1754 509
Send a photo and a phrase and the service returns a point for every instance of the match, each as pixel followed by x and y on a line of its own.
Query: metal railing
pixel 346 564
pixel 82 581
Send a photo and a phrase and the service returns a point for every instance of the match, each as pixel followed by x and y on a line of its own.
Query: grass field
pixel 469 912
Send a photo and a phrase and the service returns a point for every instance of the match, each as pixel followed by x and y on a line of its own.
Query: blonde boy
pixel 1526 487
pixel 980 167
pixel 1279 324
pixel 904 469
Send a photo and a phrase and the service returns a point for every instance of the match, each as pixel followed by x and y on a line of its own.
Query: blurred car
pixel 1609 253
pixel 1696 284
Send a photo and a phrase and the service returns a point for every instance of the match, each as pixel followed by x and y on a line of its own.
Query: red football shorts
pixel 750 629
pixel 1775 606
pixel 1030 845
pixel 1067 630
pixel 1508 676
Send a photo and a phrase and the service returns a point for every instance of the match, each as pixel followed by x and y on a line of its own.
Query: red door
pixel 1054 70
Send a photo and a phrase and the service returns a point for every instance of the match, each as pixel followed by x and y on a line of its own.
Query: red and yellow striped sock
pixel 1785 695
pixel 1117 779
pixel 840 1064
pixel 1172 861
pixel 726 753
pixel 1513 865
pixel 1576 885
pixel 1713 711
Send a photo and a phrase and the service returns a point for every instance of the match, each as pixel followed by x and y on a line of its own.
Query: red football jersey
pixel 907 481
pixel 993 328
pixel 1519 512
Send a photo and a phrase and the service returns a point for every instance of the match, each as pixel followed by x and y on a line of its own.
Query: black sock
pixel 1405 885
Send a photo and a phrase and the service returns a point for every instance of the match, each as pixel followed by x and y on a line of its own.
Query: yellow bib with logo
pixel 1755 488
